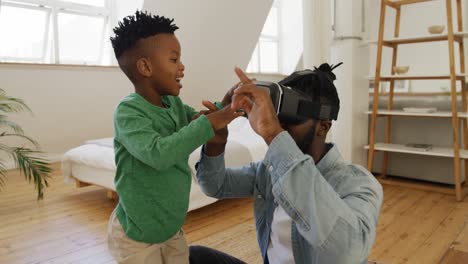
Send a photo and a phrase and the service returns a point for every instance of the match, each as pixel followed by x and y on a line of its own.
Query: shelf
pixel 387 78
pixel 435 151
pixel 458 36
pixel 398 4
pixel 444 114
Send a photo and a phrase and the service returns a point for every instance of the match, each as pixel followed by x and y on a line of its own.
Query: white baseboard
pixel 51 157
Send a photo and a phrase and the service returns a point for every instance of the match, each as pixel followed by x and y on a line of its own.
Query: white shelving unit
pixel 441 114
pixel 458 152
pixel 435 151
pixel 387 78
pixel 458 36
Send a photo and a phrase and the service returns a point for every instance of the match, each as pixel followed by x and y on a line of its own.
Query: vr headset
pixel 293 106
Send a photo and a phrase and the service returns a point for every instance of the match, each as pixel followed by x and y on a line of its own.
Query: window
pixel 80 37
pixel 55 31
pixel 26 40
pixel 266 56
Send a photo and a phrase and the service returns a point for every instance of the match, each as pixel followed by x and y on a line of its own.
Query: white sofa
pixel 93 162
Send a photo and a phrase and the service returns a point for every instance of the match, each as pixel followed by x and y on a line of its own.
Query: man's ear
pixel 144 68
pixel 323 127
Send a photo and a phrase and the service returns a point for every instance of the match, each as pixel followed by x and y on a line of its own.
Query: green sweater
pixel 152 146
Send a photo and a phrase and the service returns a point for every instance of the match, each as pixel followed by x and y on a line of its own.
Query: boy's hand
pixel 216 145
pixel 202 112
pixel 221 135
pixel 219 119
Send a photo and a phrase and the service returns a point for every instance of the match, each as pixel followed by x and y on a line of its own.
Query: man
pixel 310 206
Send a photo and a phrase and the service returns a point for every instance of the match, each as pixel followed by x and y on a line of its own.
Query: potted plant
pixel 27 159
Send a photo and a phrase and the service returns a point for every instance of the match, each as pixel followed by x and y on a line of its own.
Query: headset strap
pixel 316 110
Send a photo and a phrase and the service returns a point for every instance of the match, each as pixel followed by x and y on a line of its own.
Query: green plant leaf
pixel 2 174
pixel 11 104
pixel 4 123
pixel 29 162
pixel 5 134
pixel 34 167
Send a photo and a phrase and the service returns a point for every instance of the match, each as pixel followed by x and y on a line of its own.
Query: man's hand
pixel 227 99
pixel 256 102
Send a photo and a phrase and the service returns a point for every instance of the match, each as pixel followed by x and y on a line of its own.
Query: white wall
pixel 70 104
pixel 317 32
pixel 73 104
pixel 292 43
pixel 350 130
pixel 215 36
pixel 424 58
pixel 124 8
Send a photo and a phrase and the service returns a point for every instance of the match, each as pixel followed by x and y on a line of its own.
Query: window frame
pixel 269 38
pixel 51 32
pixel 48 12
pixel 101 45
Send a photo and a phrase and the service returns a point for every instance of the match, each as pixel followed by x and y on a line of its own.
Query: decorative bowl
pixel 401 69
pixel 436 29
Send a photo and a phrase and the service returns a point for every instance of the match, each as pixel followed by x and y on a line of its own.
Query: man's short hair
pixel 319 87
pixel 139 26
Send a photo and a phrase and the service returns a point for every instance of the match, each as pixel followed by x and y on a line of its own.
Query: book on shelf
pixel 423 147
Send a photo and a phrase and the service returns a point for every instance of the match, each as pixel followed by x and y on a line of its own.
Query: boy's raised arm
pixel 135 131
pixel 191 112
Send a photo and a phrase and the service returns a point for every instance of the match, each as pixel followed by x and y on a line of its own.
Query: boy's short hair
pixel 139 26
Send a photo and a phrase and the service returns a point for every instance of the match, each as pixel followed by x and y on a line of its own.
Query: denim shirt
pixel 334 205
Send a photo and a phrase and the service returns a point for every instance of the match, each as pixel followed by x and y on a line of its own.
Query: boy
pixel 153 137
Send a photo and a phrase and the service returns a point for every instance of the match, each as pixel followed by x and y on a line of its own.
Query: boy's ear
pixel 144 67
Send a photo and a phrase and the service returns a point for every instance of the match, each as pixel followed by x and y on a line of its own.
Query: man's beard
pixel 308 139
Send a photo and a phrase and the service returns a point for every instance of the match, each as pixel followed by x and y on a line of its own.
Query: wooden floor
pixel 69 226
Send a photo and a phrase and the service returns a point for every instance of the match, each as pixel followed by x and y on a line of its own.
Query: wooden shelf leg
pixel 370 158
pixel 453 84
pixel 463 87
pixel 388 127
